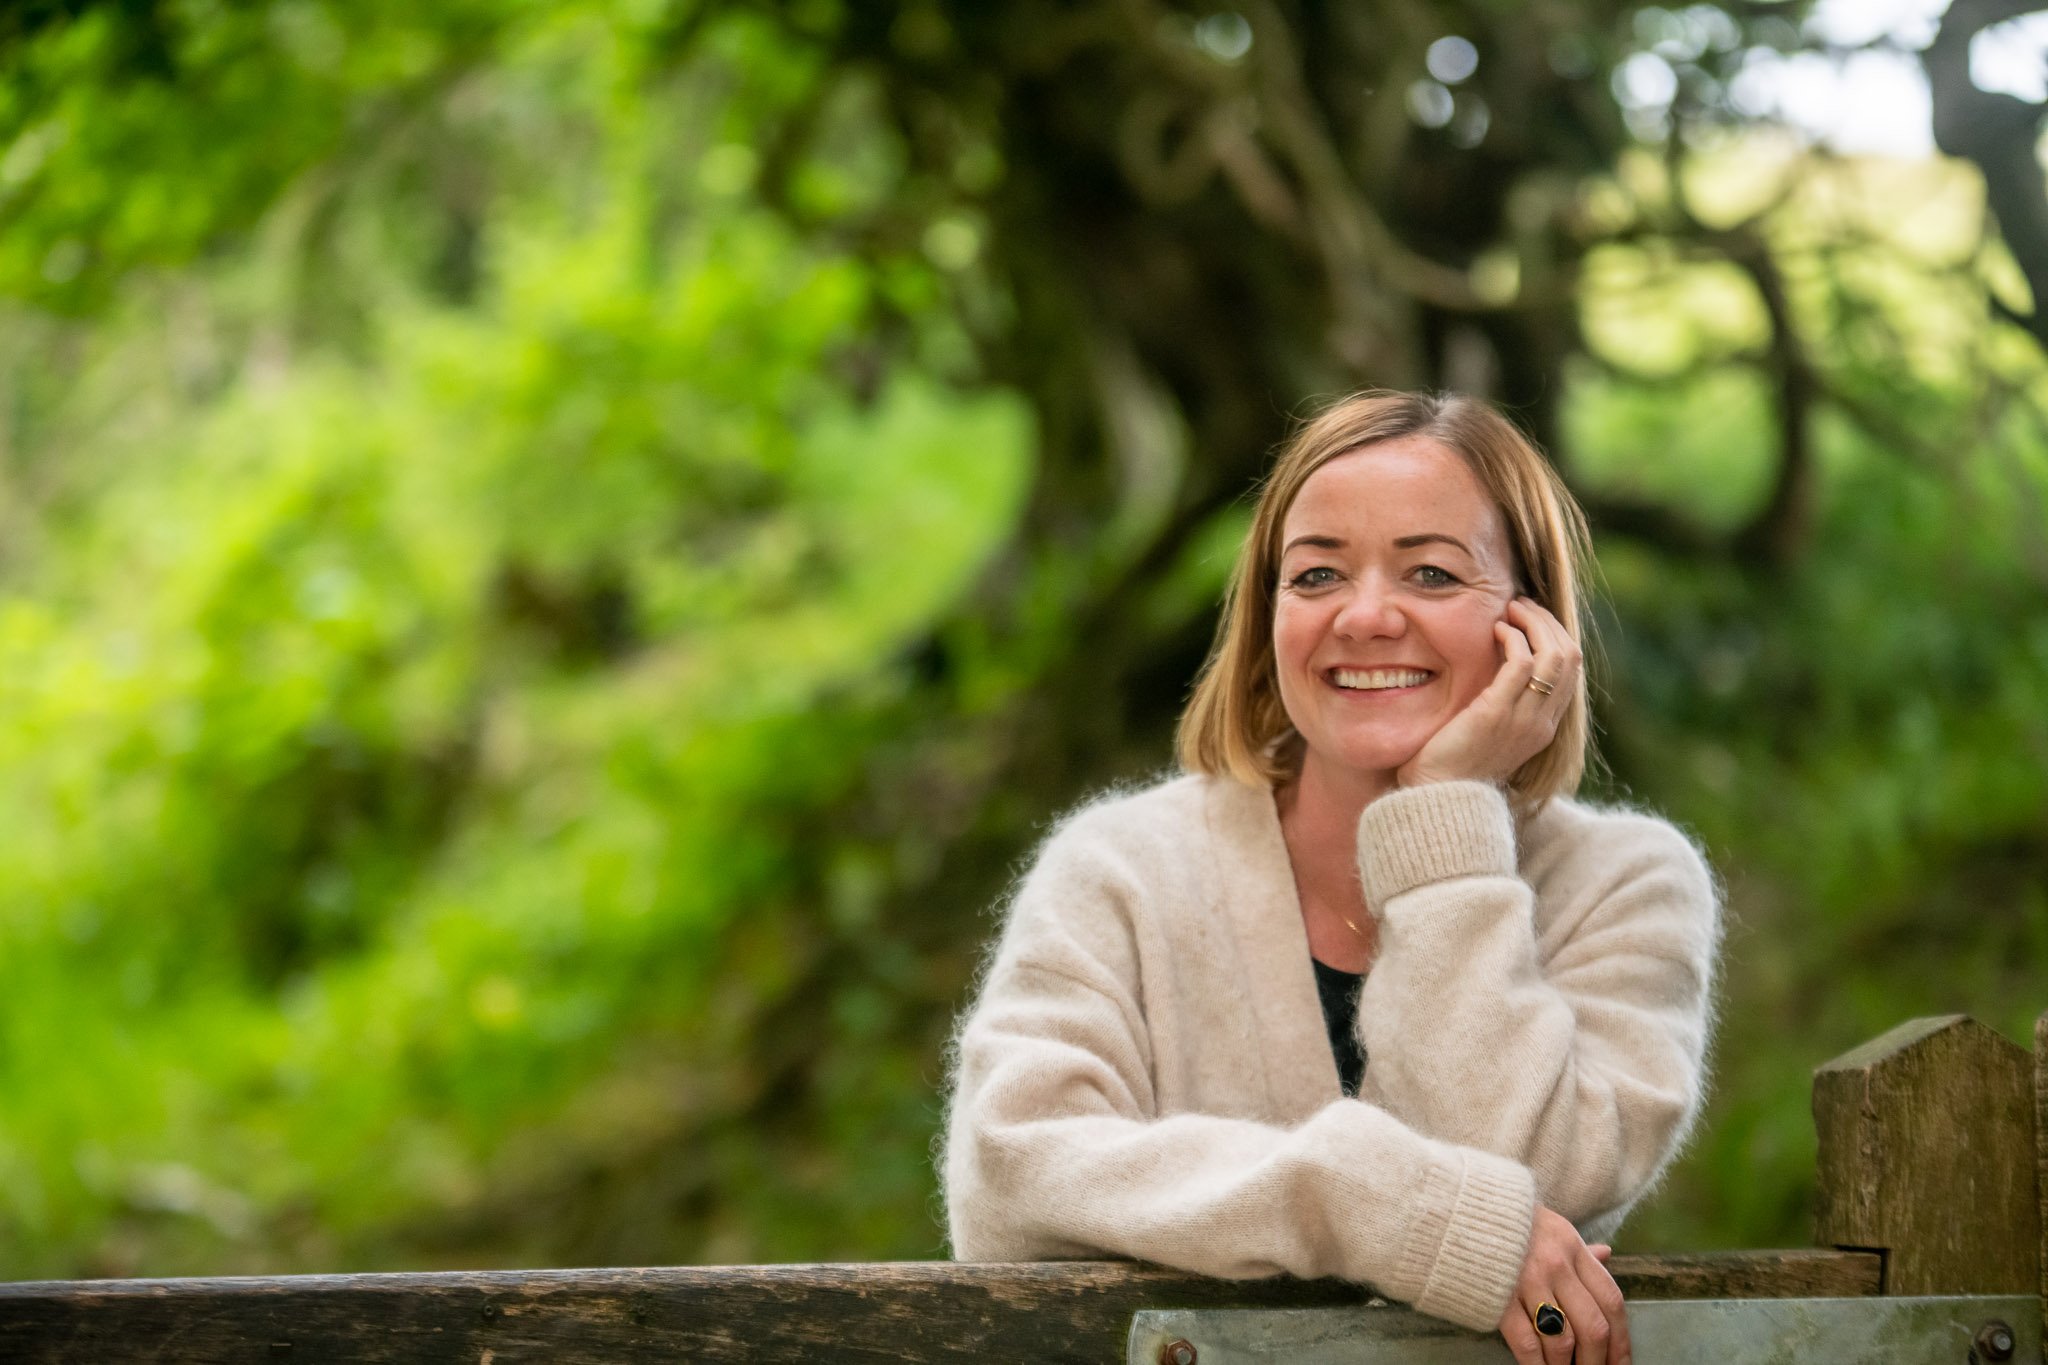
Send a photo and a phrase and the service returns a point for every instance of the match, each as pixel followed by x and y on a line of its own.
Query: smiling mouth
pixel 1378 679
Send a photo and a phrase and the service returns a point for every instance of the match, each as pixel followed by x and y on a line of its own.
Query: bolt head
pixel 1179 1351
pixel 1995 1342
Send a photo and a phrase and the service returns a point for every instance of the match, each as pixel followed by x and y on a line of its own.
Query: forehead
pixel 1406 486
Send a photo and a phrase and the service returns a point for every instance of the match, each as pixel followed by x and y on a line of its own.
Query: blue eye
pixel 1430 576
pixel 1308 578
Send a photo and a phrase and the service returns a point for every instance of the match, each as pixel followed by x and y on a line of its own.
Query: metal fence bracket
pixel 1985 1330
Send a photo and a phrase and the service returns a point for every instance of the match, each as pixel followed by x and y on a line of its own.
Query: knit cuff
pixel 1431 833
pixel 1468 1262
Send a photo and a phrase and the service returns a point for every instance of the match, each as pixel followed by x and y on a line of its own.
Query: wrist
pixel 1449 830
pixel 1418 776
pixel 1414 773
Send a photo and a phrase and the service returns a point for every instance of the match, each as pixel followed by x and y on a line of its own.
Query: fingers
pixel 1595 1312
pixel 1520 1335
pixel 1561 1269
pixel 1553 1247
pixel 1607 1296
pixel 1557 657
pixel 1589 1327
pixel 1515 643
pixel 1544 630
pixel 1536 619
pixel 1518 663
pixel 1527 656
pixel 1557 1350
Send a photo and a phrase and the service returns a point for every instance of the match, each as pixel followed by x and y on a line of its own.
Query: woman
pixel 1378 758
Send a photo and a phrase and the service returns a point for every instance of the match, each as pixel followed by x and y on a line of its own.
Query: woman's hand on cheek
pixel 1509 723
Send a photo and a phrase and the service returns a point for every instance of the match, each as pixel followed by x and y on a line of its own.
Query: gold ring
pixel 1548 1320
pixel 1541 688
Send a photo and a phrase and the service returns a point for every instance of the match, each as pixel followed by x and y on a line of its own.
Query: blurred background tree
pixel 554 559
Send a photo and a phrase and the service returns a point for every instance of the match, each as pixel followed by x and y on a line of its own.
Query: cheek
pixel 1299 629
pixel 1473 653
pixel 1294 632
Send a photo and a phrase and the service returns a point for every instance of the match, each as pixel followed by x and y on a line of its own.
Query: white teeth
pixel 1370 679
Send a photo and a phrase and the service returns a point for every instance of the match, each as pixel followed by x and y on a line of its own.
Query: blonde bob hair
pixel 1234 724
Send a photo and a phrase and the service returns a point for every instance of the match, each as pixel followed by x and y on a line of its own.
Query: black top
pixel 1339 991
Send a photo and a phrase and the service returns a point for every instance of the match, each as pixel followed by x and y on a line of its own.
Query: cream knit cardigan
pixel 1146 1071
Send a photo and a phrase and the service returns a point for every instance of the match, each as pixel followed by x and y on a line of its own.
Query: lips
pixel 1378 679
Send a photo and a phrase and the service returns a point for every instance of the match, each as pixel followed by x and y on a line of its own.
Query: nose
pixel 1371 611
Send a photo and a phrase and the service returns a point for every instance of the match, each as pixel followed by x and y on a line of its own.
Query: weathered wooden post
pixel 2041 1163
pixel 1928 1154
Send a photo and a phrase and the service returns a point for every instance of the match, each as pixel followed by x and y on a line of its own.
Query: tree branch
pixel 1779 529
pixel 1999 134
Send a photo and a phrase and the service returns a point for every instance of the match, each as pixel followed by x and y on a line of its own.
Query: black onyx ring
pixel 1548 1320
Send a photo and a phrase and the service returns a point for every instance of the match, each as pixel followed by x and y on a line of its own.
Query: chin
pixel 1367 759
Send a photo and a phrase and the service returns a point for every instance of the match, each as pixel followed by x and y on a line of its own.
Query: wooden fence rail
pixel 1933 1149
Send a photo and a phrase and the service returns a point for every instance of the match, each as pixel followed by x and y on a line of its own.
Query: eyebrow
pixel 1400 543
pixel 1318 542
pixel 1431 538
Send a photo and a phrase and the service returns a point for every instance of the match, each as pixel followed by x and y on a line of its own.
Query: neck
pixel 1321 805
pixel 1319 813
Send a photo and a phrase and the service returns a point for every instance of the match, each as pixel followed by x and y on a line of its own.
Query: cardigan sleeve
pixel 1574 1042
pixel 1054 1147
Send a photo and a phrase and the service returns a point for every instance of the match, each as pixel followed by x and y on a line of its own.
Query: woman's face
pixel 1394 568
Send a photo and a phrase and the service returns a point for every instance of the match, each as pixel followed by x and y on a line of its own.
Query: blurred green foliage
pixel 1859 736
pixel 464 553
pixel 399 702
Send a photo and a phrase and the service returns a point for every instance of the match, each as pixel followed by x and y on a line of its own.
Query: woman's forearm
pixel 1049 1154
pixel 1574 1046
